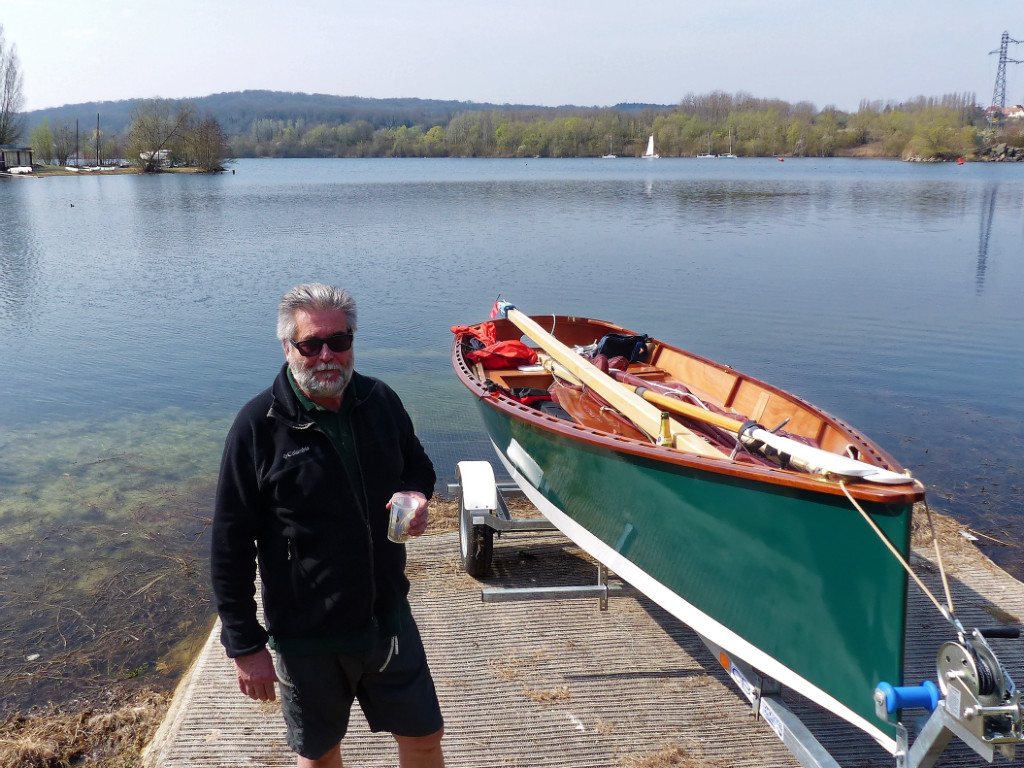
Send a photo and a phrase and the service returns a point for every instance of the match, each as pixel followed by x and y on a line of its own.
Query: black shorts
pixel 317 692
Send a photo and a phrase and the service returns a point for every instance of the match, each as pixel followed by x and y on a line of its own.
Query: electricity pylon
pixel 999 92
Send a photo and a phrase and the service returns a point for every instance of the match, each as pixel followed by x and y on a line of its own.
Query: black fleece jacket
pixel 284 499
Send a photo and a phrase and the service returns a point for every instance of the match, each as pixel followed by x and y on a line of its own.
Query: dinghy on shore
pixel 775 530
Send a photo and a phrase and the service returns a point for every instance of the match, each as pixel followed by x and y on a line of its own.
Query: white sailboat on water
pixel 729 154
pixel 707 155
pixel 650 154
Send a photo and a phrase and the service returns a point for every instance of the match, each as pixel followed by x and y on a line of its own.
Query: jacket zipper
pixel 366 517
pixel 364 511
pixel 362 490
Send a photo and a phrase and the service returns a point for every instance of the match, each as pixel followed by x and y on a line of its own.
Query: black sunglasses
pixel 339 342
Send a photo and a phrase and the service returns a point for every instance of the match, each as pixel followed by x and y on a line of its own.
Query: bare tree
pixel 207 146
pixel 63 141
pixel 157 127
pixel 12 121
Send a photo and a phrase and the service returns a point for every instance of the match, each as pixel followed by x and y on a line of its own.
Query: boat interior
pixel 677 374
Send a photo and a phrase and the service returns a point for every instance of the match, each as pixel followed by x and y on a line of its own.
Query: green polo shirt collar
pixel 308 404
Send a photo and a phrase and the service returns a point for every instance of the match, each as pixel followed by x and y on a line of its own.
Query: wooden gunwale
pixel 869 451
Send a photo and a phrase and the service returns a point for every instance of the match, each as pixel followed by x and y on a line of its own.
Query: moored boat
pixel 772 563
pixel 707 155
pixel 786 550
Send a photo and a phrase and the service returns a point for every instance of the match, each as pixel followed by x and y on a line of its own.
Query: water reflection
pixel 18 258
pixel 733 198
pixel 988 208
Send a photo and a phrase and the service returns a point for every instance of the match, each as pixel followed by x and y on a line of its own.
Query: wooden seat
pixel 511 378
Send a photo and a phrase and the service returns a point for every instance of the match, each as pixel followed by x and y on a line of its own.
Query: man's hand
pixel 418 523
pixel 256 675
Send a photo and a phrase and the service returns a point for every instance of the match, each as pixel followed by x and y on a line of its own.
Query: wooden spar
pixel 805 457
pixel 640 409
pixel 687 409
pixel 633 406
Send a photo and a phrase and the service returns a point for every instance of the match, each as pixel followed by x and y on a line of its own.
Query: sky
pixel 538 52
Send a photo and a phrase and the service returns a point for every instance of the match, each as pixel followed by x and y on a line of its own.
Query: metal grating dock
pixel 563 684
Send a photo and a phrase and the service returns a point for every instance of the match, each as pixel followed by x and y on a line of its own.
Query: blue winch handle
pixel 925 695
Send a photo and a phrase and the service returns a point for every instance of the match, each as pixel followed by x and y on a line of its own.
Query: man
pixel 309 471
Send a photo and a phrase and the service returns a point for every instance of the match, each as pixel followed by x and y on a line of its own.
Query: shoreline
pixel 56 170
pixel 986 155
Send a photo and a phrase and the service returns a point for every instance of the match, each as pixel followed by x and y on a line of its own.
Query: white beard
pixel 308 382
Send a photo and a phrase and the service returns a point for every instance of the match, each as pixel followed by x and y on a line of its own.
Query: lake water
pixel 137 314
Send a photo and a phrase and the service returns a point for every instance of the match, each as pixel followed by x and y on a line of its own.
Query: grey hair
pixel 313 297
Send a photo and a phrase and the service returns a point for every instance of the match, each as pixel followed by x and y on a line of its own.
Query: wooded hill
pixel 277 124
pixel 238 111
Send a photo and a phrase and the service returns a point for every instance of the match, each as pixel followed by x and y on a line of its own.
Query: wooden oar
pixel 639 411
pixel 805 457
pixel 638 407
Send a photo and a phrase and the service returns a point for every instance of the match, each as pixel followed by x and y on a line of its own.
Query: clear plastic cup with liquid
pixel 403 505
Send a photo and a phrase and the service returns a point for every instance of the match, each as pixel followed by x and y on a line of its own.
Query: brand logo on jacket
pixel 296 452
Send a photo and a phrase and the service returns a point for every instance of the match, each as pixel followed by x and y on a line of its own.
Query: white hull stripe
pixel 699 621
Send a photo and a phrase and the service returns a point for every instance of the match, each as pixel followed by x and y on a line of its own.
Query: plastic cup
pixel 402 507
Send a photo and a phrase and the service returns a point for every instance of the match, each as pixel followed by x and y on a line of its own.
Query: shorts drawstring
pixel 392 651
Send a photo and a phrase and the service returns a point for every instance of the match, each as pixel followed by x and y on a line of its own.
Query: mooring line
pixel 947 613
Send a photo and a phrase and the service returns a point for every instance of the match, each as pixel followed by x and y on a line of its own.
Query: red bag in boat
pixel 485 332
pixel 503 354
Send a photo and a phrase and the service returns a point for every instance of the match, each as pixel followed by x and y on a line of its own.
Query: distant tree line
pixel 923 128
pixel 160 133
pixel 269 124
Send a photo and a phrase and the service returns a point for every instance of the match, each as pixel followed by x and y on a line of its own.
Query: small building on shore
pixel 999 114
pixel 161 158
pixel 12 156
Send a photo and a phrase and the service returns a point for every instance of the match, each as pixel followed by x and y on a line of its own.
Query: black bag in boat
pixel 529 395
pixel 633 348
pixel 524 395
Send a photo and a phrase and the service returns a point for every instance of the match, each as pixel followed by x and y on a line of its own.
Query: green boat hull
pixel 771 572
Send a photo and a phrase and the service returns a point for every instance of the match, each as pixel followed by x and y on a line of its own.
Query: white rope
pixel 947 614
pixel 938 557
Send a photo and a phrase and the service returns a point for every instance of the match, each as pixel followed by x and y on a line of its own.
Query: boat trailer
pixel 483 509
pixel 975 699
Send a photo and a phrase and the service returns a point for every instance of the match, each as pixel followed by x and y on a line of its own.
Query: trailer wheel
pixel 476 542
